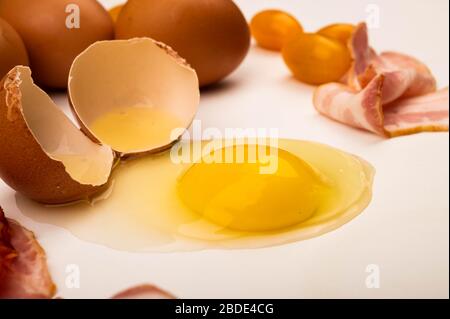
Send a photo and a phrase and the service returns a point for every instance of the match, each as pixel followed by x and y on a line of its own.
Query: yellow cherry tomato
pixel 340 31
pixel 315 59
pixel 272 28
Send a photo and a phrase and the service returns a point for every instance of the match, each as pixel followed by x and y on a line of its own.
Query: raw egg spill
pixel 285 193
pixel 144 126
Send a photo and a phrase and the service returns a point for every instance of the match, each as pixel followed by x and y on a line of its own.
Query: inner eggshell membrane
pixel 85 161
pixel 134 95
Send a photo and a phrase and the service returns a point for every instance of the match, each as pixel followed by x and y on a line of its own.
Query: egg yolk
pixel 145 128
pixel 272 28
pixel 315 59
pixel 241 196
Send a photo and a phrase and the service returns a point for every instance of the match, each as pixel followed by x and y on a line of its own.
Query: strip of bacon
pixel 23 264
pixel 390 94
pixel 418 114
pixel 143 292
pixel 405 75
pixel 359 109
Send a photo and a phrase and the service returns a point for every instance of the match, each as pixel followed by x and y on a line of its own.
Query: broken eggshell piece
pixel 44 155
pixel 137 96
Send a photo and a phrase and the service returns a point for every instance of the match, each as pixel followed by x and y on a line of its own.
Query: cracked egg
pixel 130 97
pixel 44 155
pixel 137 96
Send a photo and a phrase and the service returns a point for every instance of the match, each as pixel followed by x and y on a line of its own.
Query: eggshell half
pixel 121 73
pixel 34 134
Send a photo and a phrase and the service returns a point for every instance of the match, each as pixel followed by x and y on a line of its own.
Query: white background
pixel 405 231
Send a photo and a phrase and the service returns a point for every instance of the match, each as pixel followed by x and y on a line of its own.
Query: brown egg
pixel 12 49
pixel 52 35
pixel 213 36
pixel 44 156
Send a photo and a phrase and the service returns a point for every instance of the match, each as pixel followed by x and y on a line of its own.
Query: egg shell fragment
pixel 110 75
pixel 34 132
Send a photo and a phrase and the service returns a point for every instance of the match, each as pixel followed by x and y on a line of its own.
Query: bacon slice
pixel 413 115
pixel 23 264
pixel 359 109
pixel 405 75
pixel 390 94
pixel 144 292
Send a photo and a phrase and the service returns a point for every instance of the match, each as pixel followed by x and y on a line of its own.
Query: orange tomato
pixel 272 28
pixel 315 59
pixel 341 32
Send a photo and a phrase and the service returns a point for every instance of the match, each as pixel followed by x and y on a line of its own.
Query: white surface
pixel 405 231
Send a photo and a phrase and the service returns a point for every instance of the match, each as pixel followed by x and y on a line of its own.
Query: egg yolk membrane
pixel 243 196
